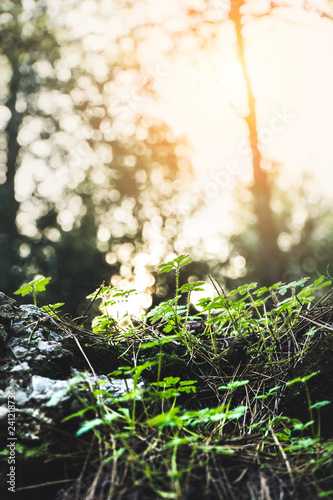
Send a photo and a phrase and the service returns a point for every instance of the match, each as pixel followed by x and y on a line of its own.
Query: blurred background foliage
pixel 92 188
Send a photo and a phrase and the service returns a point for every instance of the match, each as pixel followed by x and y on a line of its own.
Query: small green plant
pixel 317 406
pixel 175 318
pixel 172 387
pixel 36 286
pixel 107 323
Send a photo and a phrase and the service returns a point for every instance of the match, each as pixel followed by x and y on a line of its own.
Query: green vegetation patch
pixel 206 394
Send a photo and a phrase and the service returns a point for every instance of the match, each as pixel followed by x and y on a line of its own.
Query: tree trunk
pixel 8 203
pixel 271 257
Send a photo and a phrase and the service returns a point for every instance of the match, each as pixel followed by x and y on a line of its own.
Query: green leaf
pixel 212 415
pixel 301 380
pixel 183 260
pixel 271 392
pixel 243 289
pixel 169 381
pixel 204 302
pixel 236 412
pixel 299 426
pixel 37 285
pixel 57 396
pixel 284 288
pixel 117 454
pixel 172 392
pixel 158 342
pixel 234 385
pixel 166 419
pixel 187 386
pixel 221 450
pixel 261 291
pixel 163 310
pixel 50 309
pixel 104 324
pixel 78 414
pixel 192 287
pixel 87 426
pixel 122 370
pixel 324 494
pixel 125 412
pixel 303 443
pixel 177 263
pixel 166 494
pixel 137 370
pixel 320 404
pixel 109 417
pixel 312 331
pixel 165 268
pixel 320 283
pixel 168 328
pixel 179 441
pixel 188 389
pixel 104 393
pixel 188 382
pixel 124 293
pixel 319 280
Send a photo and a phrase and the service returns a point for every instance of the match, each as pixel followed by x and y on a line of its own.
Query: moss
pixel 57 367
pixel 103 357
pixel 171 364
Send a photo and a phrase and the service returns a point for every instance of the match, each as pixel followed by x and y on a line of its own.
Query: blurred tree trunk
pixel 271 257
pixel 8 204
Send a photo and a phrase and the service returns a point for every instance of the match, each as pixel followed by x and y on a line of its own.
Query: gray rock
pixel 3 334
pixel 7 309
pixel 20 368
pixel 33 321
pixel 4 299
pixel 39 369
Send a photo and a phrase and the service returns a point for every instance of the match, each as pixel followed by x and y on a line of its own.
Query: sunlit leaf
pixel 301 379
pixel 234 385
pixel 293 284
pixel 166 419
pixel 192 287
pixel 37 285
pixel 87 426
pixel 117 454
pixel 52 307
pixel 320 404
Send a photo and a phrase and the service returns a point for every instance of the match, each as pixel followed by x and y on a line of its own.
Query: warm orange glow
pixel 203 96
